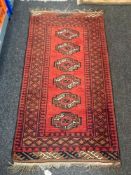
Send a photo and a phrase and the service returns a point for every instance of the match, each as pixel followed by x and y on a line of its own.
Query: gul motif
pixel 67 34
pixel 67 64
pixel 67 48
pixel 67 81
pixel 66 121
pixel 66 100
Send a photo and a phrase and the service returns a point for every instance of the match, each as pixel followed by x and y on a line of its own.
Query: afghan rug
pixel 66 112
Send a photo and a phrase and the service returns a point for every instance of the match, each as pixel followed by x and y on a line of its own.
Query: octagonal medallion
pixel 67 48
pixel 66 121
pixel 67 64
pixel 67 81
pixel 67 34
pixel 66 100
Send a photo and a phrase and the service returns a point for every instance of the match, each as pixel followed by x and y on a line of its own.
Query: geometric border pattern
pixel 102 156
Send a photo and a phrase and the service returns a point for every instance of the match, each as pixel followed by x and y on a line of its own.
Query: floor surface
pixel 118 30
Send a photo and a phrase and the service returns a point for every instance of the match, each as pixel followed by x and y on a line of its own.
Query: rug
pixel 104 2
pixel 66 112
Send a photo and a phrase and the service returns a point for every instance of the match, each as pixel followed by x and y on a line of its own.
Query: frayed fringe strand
pixel 43 168
pixel 90 12
pixel 26 169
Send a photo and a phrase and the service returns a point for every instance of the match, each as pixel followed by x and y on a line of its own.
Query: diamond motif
pixel 67 64
pixel 67 34
pixel 66 81
pixel 28 142
pixel 67 48
pixel 66 100
pixel 39 142
pixel 66 121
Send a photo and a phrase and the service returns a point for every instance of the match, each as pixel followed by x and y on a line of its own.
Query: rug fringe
pixel 89 12
pixel 25 169
pixel 44 168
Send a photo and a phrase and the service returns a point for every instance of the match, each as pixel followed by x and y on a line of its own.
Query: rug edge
pixel 69 164
pixel 90 12
pixel 25 168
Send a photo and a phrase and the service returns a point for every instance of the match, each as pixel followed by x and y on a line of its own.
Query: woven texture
pixel 66 107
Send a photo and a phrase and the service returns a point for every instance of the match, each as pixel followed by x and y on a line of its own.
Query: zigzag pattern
pixel 64 155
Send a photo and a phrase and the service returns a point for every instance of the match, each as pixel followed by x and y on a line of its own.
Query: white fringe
pixel 89 12
pixel 40 168
pixel 25 169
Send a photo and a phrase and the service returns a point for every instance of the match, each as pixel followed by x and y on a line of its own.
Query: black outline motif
pixel 67 34
pixel 67 64
pixel 67 48
pixel 66 100
pixel 66 121
pixel 67 81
